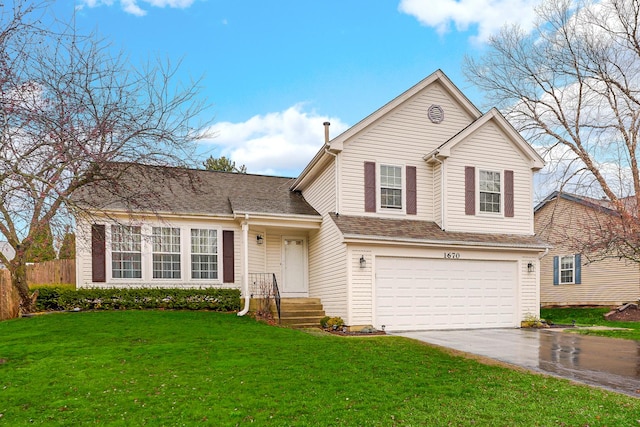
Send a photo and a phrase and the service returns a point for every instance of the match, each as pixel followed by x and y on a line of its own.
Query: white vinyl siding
pixel 321 193
pixel 258 252
pixel 488 149
pixel 400 138
pixel 327 269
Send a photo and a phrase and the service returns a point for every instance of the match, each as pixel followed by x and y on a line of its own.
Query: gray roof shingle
pixel 161 189
pixel 426 232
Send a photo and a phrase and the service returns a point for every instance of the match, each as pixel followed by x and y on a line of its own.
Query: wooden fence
pixel 60 271
pixel 52 272
pixel 9 300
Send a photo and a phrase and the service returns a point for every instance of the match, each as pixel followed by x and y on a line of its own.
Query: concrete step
pixel 299 308
pixel 302 313
pixel 300 301
pixel 300 322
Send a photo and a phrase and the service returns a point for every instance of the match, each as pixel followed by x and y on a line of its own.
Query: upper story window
pixel 204 254
pixel 567 269
pixel 126 252
pixel 390 187
pixel 489 191
pixel 166 252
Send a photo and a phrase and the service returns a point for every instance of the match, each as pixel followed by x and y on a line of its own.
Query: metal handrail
pixel 265 286
pixel 276 294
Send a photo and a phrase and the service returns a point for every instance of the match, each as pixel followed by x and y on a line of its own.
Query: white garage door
pixel 421 293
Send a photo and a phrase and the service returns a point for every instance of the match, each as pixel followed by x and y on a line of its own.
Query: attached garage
pixel 427 293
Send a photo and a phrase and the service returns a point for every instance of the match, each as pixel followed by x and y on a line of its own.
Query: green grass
pixel 183 368
pixel 592 317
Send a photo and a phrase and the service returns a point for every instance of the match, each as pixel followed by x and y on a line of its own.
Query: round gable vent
pixel 435 113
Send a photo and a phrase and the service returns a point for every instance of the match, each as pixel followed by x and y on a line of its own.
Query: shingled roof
pixel 602 205
pixel 370 228
pixel 161 189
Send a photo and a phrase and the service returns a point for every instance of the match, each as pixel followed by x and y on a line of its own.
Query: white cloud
pixel 488 15
pixel 132 6
pixel 280 143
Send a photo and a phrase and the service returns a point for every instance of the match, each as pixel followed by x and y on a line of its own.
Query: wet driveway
pixel 609 363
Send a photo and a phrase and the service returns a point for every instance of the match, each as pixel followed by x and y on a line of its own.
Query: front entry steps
pixel 301 312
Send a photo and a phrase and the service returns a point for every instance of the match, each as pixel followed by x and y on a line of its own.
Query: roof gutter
pixel 356 238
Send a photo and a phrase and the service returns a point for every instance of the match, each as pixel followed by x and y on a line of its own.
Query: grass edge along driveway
pixel 186 368
pixel 592 317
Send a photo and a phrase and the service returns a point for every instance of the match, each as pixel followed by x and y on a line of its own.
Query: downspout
pixel 335 156
pixel 245 266
pixel 544 254
pixel 442 175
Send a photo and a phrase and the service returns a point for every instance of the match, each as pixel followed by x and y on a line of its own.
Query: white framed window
pixel 390 187
pixel 490 191
pixel 126 252
pixel 166 252
pixel 204 254
pixel 567 269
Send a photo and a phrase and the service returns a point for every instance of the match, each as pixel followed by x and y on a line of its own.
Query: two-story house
pixel 418 217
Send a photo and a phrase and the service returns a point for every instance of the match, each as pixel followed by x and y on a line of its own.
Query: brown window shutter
pixel 228 254
pixel 508 194
pixel 98 253
pixel 412 204
pixel 369 187
pixel 469 190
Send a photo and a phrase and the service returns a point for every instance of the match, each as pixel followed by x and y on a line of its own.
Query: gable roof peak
pixel 444 150
pixel 336 143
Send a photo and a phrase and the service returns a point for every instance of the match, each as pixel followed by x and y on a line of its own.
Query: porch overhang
pixel 302 222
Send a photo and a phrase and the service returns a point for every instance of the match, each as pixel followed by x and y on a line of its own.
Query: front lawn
pixel 184 368
pixel 591 317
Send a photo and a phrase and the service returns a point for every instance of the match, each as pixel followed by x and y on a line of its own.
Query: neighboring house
pixel 8 251
pixel 566 276
pixel 418 217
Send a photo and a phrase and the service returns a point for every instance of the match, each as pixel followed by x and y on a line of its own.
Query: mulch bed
pixel 625 313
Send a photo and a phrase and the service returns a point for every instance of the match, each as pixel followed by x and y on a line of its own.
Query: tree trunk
pixel 19 282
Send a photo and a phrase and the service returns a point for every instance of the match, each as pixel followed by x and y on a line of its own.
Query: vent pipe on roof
pixel 326 132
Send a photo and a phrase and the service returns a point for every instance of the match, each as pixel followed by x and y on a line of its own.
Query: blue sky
pixel 276 70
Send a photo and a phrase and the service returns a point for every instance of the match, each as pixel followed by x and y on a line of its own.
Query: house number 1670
pixel 452 255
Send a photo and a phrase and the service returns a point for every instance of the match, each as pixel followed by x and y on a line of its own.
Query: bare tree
pixel 572 87
pixel 69 107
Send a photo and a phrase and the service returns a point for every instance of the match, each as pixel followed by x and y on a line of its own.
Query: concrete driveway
pixel 613 364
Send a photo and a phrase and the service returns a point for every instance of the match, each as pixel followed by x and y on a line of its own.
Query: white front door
pixel 295 280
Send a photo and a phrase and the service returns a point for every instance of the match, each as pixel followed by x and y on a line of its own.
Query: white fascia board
pixel 438 243
pixel 159 214
pixel 282 220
